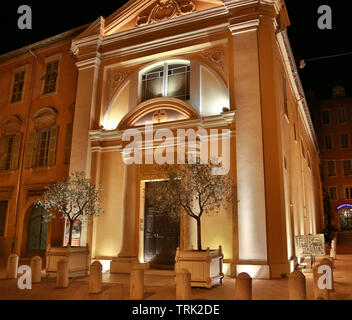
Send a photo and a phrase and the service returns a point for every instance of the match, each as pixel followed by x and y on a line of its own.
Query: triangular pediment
pixel 137 13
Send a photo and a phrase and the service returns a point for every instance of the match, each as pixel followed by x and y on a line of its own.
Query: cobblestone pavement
pixel 162 287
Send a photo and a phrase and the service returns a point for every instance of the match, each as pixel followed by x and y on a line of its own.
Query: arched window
pixel 167 80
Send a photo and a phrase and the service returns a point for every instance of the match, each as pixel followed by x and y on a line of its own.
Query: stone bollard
pixel 137 283
pixel 95 277
pixel 319 293
pixel 297 286
pixel 36 267
pixel 328 262
pixel 243 289
pixel 12 266
pixel 62 274
pixel 333 253
pixel 183 285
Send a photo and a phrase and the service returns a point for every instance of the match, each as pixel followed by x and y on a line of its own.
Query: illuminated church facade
pixel 67 101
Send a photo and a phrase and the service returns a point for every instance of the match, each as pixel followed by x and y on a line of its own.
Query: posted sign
pixel 310 245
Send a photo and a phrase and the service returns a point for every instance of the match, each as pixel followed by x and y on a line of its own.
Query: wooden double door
pixel 161 235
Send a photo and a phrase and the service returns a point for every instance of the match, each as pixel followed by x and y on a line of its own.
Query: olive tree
pixel 71 198
pixel 192 189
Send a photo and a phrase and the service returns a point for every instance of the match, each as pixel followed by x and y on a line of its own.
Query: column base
pixel 122 265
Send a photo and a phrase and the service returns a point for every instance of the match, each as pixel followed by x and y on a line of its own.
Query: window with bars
pixel 348 193
pixel 168 80
pixel 17 88
pixel 50 77
pixel 3 214
pixel 325 117
pixel 328 142
pixel 344 141
pixel 341 115
pixel 347 167
pixel 333 193
pixel 9 152
pixel 331 168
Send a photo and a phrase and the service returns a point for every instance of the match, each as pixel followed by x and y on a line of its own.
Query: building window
pixel 344 141
pixel 50 77
pixel 3 213
pixel 341 115
pixel 325 117
pixel 167 80
pixel 285 94
pixel 333 193
pixel 331 169
pixel 41 150
pixel 347 167
pixel 9 152
pixel 328 142
pixel 17 87
pixel 348 193
pixel 338 91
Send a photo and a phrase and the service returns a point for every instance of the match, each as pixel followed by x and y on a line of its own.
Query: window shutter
pixel 3 152
pixel 348 114
pixel 52 146
pixel 68 141
pixel 30 150
pixel 15 151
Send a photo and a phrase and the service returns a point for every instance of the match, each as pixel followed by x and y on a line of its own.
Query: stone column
pixel 95 277
pixel 319 293
pixel 128 253
pixel 12 266
pixel 36 266
pixel 183 285
pixel 243 288
pixel 62 274
pixel 137 282
pixel 297 286
pixel 249 146
pixel 328 262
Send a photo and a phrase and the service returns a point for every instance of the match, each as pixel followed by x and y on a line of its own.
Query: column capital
pixel 247 26
pixel 87 51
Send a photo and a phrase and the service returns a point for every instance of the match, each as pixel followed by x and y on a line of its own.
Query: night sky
pixel 307 40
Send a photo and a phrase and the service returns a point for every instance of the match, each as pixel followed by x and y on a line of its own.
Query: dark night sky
pixel 307 40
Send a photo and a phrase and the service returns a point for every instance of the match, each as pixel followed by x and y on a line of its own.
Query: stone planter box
pixel 78 261
pixel 206 267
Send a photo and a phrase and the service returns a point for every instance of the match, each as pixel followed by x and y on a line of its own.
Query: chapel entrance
pixel 161 235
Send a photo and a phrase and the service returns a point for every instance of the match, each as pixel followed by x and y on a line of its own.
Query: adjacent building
pixel 333 123
pixel 66 103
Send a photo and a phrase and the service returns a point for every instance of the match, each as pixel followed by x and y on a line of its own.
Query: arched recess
pixel 155 104
pixel 34 232
pixel 11 124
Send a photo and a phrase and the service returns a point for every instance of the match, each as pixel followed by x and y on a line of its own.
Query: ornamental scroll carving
pixel 216 57
pixel 165 9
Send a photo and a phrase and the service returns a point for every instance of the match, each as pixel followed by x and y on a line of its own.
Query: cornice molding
pixel 224 119
pixel 243 27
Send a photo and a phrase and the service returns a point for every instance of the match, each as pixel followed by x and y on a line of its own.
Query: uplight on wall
pixel 111 124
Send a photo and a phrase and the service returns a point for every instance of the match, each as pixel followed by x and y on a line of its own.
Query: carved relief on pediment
pixel 165 9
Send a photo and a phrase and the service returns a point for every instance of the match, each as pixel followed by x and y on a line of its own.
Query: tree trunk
pixel 70 233
pixel 199 235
